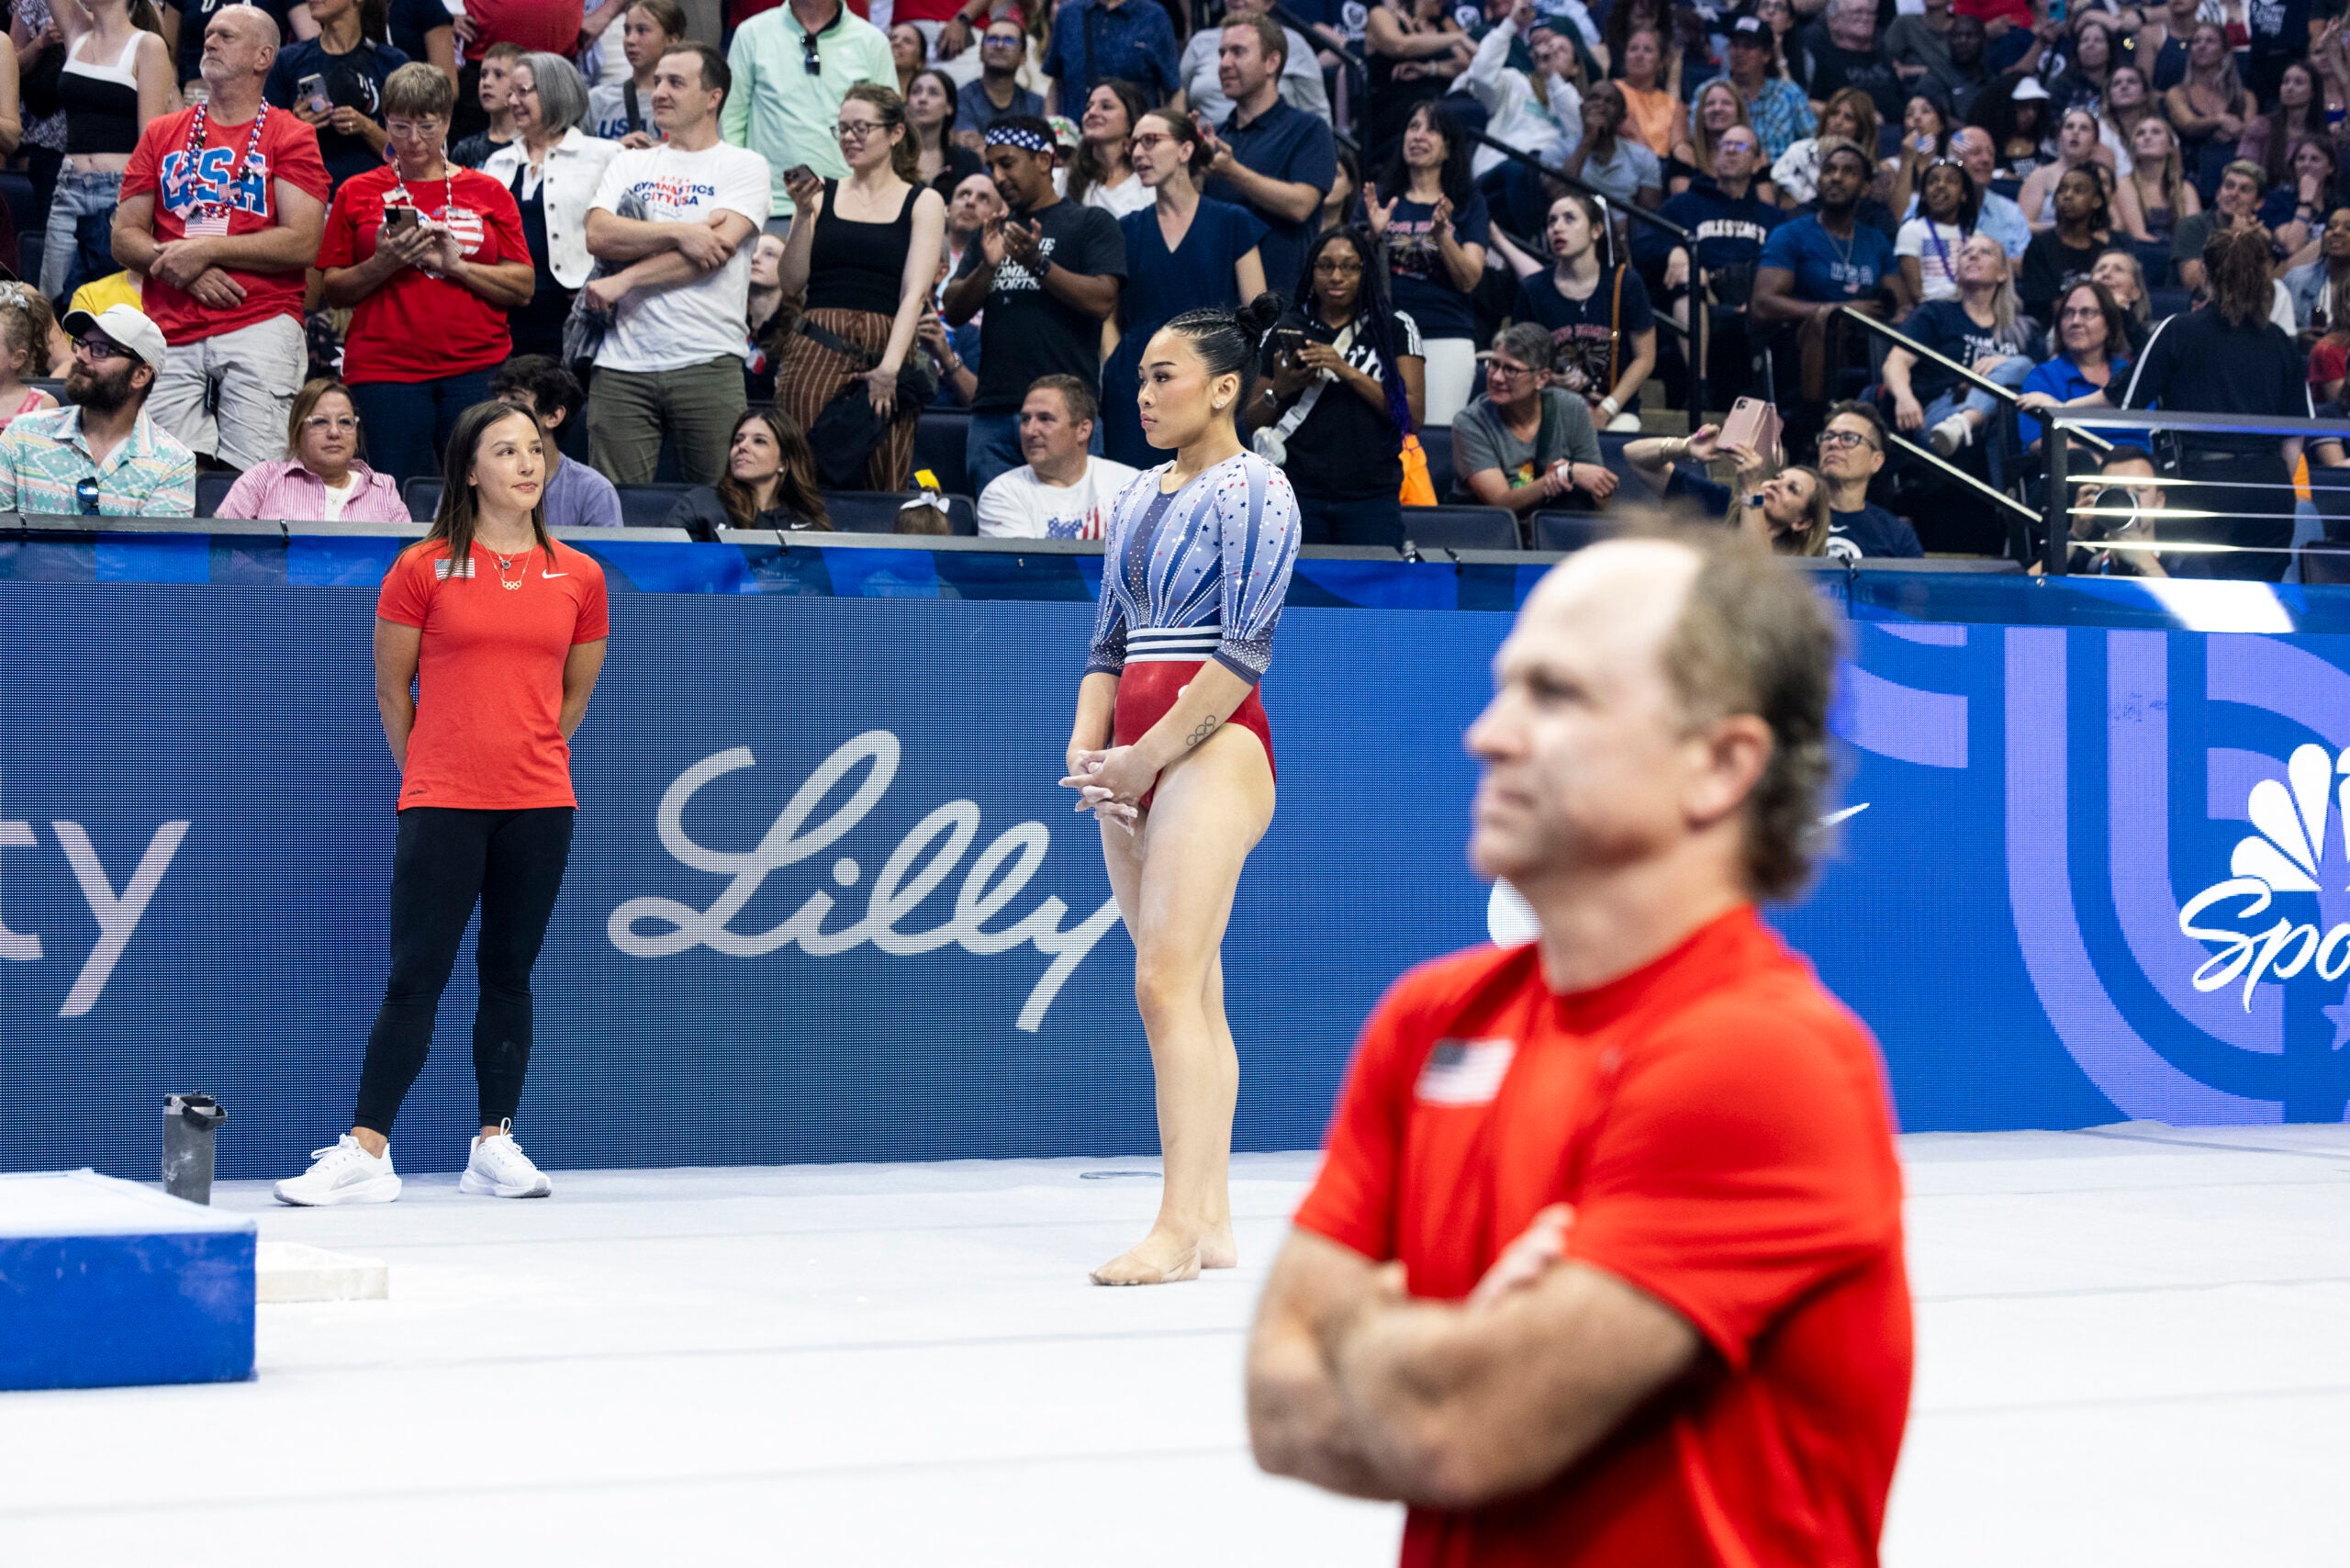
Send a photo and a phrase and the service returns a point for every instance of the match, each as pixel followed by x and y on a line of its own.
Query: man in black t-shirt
pixel 1047 276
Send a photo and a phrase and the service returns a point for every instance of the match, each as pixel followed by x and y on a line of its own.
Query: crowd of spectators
pixel 748 251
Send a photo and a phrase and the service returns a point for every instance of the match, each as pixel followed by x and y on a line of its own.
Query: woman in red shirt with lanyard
pixel 503 631
pixel 430 256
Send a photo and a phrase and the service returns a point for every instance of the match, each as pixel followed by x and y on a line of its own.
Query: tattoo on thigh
pixel 1207 728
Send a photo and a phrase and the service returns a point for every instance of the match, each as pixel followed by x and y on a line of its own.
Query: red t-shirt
pixel 551 26
pixel 417 327
pixel 1720 1125
pixel 221 175
pixel 490 674
pixel 2016 11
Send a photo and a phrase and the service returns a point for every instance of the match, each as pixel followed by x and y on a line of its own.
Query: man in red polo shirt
pixel 1604 1263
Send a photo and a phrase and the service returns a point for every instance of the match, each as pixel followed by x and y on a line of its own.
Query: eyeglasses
pixel 85 495
pixel 98 349
pixel 1146 143
pixel 1503 368
pixel 1000 40
pixel 406 128
pixel 1833 439
pixel 856 130
pixel 807 61
pixel 1337 267
pixel 321 423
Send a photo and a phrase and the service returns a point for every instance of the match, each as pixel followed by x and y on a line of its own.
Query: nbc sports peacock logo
pixel 2258 938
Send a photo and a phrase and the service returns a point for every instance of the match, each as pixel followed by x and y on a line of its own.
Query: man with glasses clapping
pixel 100 455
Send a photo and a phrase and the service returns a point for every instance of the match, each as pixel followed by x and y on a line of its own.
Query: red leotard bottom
pixel 1146 690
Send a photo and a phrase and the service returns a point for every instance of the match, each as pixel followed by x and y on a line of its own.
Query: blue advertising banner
pixel 827 900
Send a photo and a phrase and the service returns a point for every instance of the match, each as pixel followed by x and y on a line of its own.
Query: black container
pixel 190 1122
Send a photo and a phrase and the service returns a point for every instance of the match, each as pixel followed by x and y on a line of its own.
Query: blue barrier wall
pixel 828 902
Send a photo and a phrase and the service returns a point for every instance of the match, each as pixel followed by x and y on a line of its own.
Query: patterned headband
pixel 1002 135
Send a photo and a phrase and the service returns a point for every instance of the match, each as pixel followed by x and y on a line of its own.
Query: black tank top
pixel 858 267
pixel 101 102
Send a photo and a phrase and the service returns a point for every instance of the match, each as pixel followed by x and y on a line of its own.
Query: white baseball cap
pixel 125 325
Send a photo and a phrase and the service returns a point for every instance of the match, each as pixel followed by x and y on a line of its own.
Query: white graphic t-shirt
pixel 696 322
pixel 1018 505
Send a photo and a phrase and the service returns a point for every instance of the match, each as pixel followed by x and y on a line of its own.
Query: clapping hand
pixel 1440 218
pixel 1381 213
pixel 992 245
pixel 1219 155
pixel 1023 243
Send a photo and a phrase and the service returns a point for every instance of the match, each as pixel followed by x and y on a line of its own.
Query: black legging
pixel 512 862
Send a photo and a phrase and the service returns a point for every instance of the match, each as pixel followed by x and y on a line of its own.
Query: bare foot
pixel 1154 1261
pixel 1218 1250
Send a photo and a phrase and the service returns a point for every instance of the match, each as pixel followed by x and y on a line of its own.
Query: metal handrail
pixel 1637 213
pixel 1901 339
pixel 2057 511
pixel 2028 514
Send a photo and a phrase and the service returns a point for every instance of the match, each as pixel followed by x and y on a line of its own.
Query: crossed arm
pixel 290 244
pixel 661 256
pixel 1357 1388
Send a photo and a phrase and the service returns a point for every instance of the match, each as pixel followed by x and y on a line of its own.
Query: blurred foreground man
pixel 1604 1263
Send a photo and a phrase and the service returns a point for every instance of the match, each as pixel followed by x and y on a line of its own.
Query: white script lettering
pixel 922 861
pixel 2258 954
pixel 117 914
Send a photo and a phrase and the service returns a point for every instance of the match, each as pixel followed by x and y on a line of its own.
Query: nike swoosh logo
pixel 543 572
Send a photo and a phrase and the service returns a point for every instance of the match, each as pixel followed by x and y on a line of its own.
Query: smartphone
pixel 797 174
pixel 1752 423
pixel 2056 10
pixel 399 217
pixel 312 90
pixel 1289 340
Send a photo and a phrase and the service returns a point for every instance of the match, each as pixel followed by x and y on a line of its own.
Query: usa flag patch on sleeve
pixel 1464 1072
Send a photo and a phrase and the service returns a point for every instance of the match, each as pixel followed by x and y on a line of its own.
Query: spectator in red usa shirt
pixel 1604 1263
pixel 430 256
pixel 222 209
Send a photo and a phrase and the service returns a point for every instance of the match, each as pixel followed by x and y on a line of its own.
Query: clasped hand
pixel 1110 784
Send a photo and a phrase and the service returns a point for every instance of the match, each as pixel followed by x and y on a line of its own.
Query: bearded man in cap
pixel 100 455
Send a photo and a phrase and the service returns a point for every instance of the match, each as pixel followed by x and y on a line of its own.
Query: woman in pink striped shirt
pixel 322 478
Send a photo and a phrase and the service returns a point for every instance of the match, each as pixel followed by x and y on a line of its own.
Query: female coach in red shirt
pixel 503 631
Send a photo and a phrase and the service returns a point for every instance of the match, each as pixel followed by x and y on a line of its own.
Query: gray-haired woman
pixel 553 168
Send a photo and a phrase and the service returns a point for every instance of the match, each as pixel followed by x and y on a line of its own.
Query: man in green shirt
pixel 792 66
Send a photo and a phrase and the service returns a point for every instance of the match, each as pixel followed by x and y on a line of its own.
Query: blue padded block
pixel 105 1282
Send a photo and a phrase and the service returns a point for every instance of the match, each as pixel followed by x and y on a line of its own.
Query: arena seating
pixel 1461 528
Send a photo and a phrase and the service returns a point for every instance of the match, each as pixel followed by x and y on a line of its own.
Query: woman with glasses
pixel 430 258
pixel 2092 341
pixel 866 250
pixel 551 168
pixel 1339 388
pixel 321 479
pixel 1184 252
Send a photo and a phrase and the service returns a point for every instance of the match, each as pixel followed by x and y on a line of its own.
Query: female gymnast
pixel 1172 753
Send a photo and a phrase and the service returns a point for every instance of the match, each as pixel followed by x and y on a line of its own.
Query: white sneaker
pixel 499 1169
pixel 1953 432
pixel 343 1173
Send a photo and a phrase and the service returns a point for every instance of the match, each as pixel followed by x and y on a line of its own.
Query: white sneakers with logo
pixel 498 1169
pixel 341 1173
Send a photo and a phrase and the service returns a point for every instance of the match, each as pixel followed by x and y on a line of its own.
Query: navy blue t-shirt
pixel 352 81
pixel 412 19
pixel 1828 270
pixel 1872 531
pixel 1943 326
pixel 1417 279
pixel 1588 350
pixel 1282 143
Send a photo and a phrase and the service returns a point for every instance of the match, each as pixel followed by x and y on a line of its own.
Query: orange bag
pixel 1419 490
